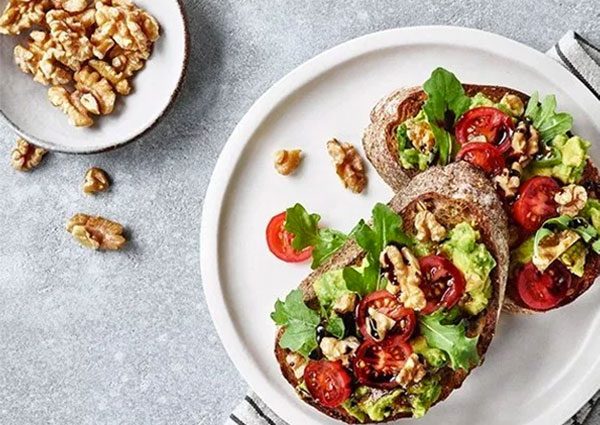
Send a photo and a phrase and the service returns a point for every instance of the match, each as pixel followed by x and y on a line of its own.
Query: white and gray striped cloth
pixel 581 58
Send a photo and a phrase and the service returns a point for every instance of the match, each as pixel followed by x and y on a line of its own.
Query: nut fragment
pixel 297 363
pixel 286 162
pixel 345 303
pixel 334 349
pixel 525 142
pixel 420 135
pixel 348 164
pixel 71 5
pixel 378 324
pixel 571 199
pixel 96 232
pixel 402 270
pixel 101 96
pixel 26 156
pixel 428 228
pixel 509 180
pixel 96 180
pixel 70 104
pixel 413 371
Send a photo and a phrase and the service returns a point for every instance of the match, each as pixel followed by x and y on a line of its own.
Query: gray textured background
pixel 125 338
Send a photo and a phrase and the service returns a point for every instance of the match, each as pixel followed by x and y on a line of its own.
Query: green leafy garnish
pixel 335 326
pixel 446 102
pixel 385 229
pixel 451 338
pixel 365 280
pixel 306 231
pixel 545 118
pixel 299 321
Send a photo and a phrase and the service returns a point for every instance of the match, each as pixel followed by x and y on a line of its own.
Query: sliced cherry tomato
pixel 443 283
pixel 482 155
pixel 328 382
pixel 280 240
pixel 387 304
pixel 536 202
pixel 378 364
pixel 491 123
pixel 544 290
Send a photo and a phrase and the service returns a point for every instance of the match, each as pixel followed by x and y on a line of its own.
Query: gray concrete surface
pixel 125 338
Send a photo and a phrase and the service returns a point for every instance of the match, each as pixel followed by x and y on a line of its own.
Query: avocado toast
pixel 395 318
pixel 542 172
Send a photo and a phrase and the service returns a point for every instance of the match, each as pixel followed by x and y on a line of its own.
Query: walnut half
pixel 571 199
pixel 96 232
pixel 348 165
pixel 96 180
pixel 25 156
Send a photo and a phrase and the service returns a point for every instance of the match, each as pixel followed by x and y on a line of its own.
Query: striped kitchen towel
pixel 581 58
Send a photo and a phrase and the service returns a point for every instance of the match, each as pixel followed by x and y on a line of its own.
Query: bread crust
pixel 379 142
pixel 455 193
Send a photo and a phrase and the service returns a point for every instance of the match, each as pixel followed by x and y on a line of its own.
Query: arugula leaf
pixel 450 338
pixel 363 281
pixel 299 321
pixel 446 102
pixel 385 229
pixel 545 118
pixel 335 326
pixel 306 231
pixel 445 94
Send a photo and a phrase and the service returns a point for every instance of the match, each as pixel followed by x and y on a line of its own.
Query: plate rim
pixel 216 192
pixel 145 130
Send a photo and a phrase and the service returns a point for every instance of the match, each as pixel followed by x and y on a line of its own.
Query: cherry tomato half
pixel 443 283
pixel 387 304
pixel 482 155
pixel 280 240
pixel 491 123
pixel 328 382
pixel 544 290
pixel 536 202
pixel 378 364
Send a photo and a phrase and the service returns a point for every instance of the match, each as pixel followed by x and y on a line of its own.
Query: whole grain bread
pixel 379 139
pixel 379 142
pixel 454 193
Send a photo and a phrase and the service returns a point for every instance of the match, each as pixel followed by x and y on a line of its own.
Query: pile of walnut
pixel 86 51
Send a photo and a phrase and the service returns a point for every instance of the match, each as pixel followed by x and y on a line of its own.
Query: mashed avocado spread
pixel 474 261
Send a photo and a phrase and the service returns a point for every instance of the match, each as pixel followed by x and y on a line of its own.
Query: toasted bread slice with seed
pixel 454 194
pixel 380 145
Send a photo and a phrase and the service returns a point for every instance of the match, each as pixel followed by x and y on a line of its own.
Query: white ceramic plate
pixel 25 106
pixel 539 369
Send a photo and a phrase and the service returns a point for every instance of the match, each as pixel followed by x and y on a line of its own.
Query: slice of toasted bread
pixel 379 139
pixel 380 145
pixel 454 194
pixel 512 304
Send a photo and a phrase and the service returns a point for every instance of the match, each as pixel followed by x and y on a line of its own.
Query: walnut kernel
pixel 349 165
pixel 402 270
pixel 96 180
pixel 25 156
pixel 96 232
pixel 413 371
pixel 428 228
pixel 571 199
pixel 71 105
pixel 286 162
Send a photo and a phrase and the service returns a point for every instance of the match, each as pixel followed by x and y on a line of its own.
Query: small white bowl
pixel 25 106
